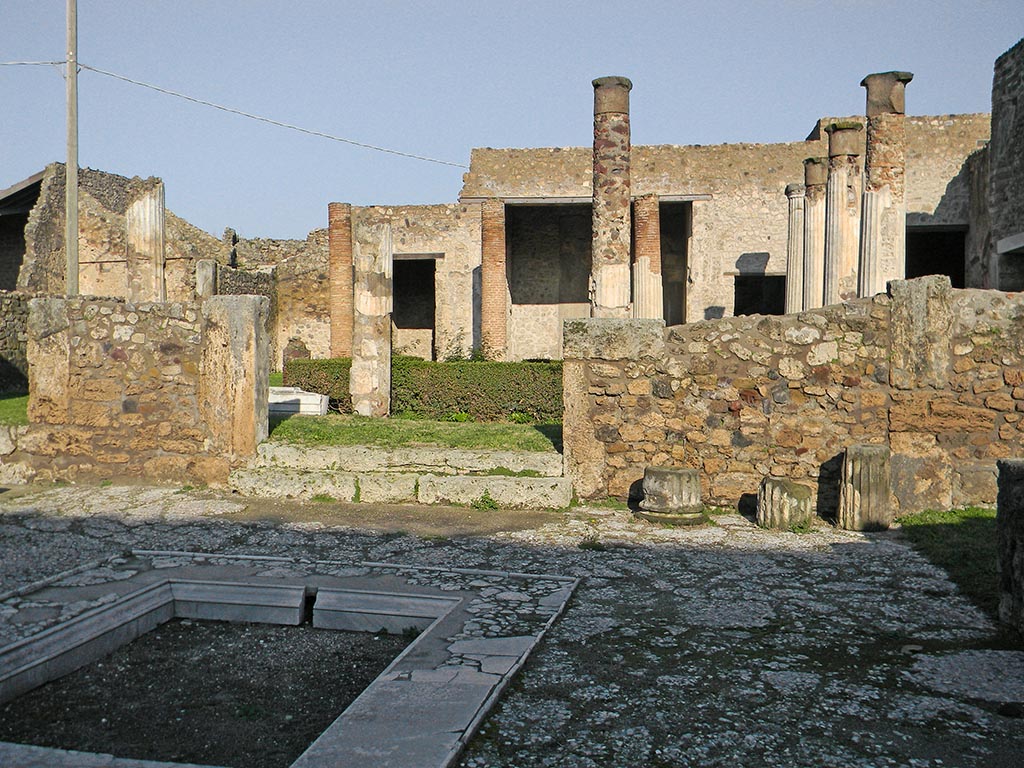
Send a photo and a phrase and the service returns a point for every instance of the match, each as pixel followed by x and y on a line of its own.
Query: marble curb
pixel 419 713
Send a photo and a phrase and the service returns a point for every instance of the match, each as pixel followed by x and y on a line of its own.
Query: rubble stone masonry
pixel 167 391
pixel 13 341
pixel 935 373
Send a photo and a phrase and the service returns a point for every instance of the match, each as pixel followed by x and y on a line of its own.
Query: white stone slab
pixel 362 611
pixel 284 400
pixel 506 492
pixel 225 601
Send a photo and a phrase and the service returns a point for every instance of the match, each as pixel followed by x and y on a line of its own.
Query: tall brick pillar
pixel 815 173
pixel 339 244
pixel 493 281
pixel 883 234
pixel 145 223
pixel 609 274
pixel 842 211
pixel 648 301
pixel 795 249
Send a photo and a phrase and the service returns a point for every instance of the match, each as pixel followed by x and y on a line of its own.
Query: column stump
pixel 864 489
pixel 784 504
pixel 672 495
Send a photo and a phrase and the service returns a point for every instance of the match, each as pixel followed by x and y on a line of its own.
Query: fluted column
pixel 795 249
pixel 815 173
pixel 339 247
pixel 883 237
pixel 648 300
pixel 842 212
pixel 611 218
pixel 145 234
pixel 370 377
pixel 494 296
pixel 864 489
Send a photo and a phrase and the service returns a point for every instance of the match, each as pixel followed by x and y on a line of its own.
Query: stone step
pixel 403 487
pixel 294 400
pixel 419 460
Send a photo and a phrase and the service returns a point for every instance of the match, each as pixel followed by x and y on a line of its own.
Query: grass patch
pixel 14 409
pixel 485 502
pixel 963 543
pixel 322 498
pixel 344 429
pixel 276 379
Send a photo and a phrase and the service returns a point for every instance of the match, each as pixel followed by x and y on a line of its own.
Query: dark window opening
pixel 549 253
pixel 414 307
pixel 936 252
pixel 760 295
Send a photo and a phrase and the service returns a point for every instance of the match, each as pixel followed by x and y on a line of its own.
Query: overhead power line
pixel 240 112
pixel 271 121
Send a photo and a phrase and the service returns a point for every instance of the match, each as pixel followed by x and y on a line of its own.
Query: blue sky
pixel 438 78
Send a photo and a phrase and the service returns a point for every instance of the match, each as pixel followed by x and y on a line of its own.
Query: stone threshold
pixel 419 712
pixel 403 487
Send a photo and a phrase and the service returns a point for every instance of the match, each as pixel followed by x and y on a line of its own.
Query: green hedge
pixel 325 377
pixel 447 391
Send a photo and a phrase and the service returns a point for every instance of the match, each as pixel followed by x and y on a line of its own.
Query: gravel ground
pixel 720 646
pixel 237 695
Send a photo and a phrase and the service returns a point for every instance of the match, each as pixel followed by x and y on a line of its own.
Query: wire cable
pixel 262 119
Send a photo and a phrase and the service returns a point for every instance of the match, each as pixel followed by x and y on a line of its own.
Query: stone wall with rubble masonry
pixel 103 201
pixel 14 341
pixel 167 391
pixel 1006 198
pixel 936 374
pixel 300 309
pixel 743 226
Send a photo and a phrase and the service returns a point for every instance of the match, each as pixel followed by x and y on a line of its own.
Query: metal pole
pixel 71 168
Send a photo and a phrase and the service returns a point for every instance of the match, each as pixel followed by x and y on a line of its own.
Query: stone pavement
pixel 725 645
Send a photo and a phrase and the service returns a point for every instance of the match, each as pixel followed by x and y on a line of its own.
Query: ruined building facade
pixel 538 236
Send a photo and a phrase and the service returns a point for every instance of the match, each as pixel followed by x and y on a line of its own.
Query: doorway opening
pixel 676 227
pixel 415 305
pixel 936 252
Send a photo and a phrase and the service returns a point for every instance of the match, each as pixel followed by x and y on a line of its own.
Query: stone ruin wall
pixel 936 374
pixel 743 226
pixel 452 231
pixel 14 341
pixel 103 201
pixel 167 391
pixel 1006 184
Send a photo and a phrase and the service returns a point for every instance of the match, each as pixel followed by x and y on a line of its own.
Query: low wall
pixel 166 391
pixel 13 341
pixel 934 373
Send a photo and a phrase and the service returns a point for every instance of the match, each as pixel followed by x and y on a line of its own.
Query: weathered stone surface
pixel 864 489
pixel 795 249
pixel 784 504
pixel 922 324
pixel 284 483
pixel 815 174
pixel 505 492
pixel 370 374
pixel 1010 543
pixel 612 339
pixel 842 212
pixel 671 490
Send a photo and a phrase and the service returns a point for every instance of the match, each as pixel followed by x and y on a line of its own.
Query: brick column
pixel 339 244
pixel 795 249
pixel 611 223
pixel 648 301
pixel 815 171
pixel 493 281
pixel 842 211
pixel 883 238
pixel 144 222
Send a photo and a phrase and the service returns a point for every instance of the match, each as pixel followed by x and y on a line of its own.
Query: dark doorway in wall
pixel 414 305
pixel 760 295
pixel 675 221
pixel 936 252
pixel 549 253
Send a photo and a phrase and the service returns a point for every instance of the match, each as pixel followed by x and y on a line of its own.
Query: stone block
pixel 506 492
pixel 1010 543
pixel 922 324
pixel 864 489
pixel 612 339
pixel 784 504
